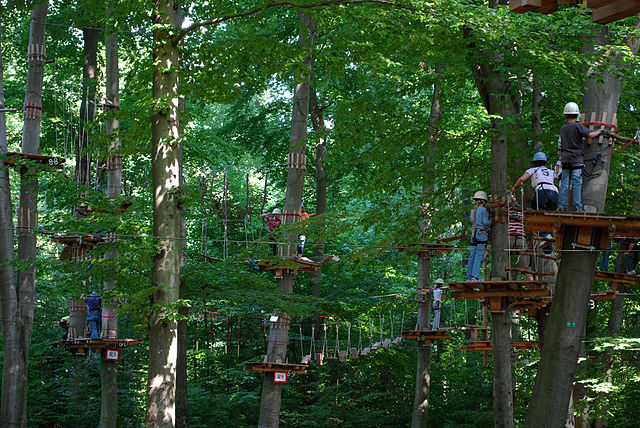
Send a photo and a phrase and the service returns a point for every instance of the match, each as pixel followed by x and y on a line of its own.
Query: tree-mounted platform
pixel 615 277
pixel 474 331
pixel 531 304
pixel 84 209
pixel 81 345
pixel 425 336
pixel 429 249
pixel 556 223
pixel 292 264
pixel 260 366
pixel 486 345
pixel 496 292
pixel 77 247
pixel 602 11
pixel 528 271
pixel 15 158
pixel 604 295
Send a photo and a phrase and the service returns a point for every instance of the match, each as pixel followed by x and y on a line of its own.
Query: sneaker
pixel 580 210
pixel 562 209
pixel 631 272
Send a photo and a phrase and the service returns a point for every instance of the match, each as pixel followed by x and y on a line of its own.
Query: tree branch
pixel 291 4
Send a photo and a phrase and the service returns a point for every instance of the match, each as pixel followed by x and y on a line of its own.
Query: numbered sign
pixel 592 304
pixel 112 355
pixel 279 377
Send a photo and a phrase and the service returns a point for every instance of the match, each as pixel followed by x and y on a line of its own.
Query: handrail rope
pixel 273 341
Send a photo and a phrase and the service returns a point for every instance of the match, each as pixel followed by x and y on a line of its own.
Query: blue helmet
pixel 540 156
pixel 94 294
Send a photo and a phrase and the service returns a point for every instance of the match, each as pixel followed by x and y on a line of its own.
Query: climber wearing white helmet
pixel 479 237
pixel 273 223
pixel 572 156
pixel 437 303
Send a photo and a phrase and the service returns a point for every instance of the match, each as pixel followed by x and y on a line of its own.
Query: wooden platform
pixel 528 271
pixel 121 208
pixel 431 250
pixel 555 222
pixel 87 343
pixel 603 295
pixel 293 264
pixel 486 345
pixel 77 247
pixel 275 367
pixel 15 158
pixel 621 278
pixel 494 292
pixel 425 336
pixel 531 304
pixel 602 11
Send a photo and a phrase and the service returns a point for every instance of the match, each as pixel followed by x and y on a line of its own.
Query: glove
pixel 605 134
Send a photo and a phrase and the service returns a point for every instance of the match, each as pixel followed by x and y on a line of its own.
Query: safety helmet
pixel 540 156
pixel 439 281
pixel 480 195
pixel 276 211
pixel 94 294
pixel 571 108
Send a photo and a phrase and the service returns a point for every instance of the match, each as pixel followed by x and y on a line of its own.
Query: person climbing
pixel 273 223
pixel 517 237
pixel 94 314
pixel 572 156
pixel 64 324
pixel 546 196
pixel 437 303
pixel 479 237
pixel 631 255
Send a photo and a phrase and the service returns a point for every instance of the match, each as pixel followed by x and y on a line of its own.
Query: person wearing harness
pixel 437 303
pixel 273 223
pixel 572 156
pixel 94 314
pixel 546 196
pixel 480 235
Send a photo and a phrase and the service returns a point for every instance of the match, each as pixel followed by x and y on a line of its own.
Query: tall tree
pixel 17 308
pixel 279 334
pixel 166 171
pixel 423 366
pixel 88 104
pixel 109 373
pixel 567 322
pixel 317 120
pixel 9 309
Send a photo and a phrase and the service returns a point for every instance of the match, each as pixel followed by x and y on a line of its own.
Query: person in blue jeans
pixel 94 314
pixel 479 237
pixel 572 156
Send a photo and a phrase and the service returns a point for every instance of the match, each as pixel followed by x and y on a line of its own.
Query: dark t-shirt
pixel 571 135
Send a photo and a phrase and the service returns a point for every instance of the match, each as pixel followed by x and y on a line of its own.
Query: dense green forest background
pixel 237 80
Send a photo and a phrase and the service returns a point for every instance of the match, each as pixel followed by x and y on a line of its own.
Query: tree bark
pixel 87 107
pixel 423 366
pixel 270 400
pixel 109 373
pixel 317 119
pixel 9 310
pixel 165 170
pixel 182 409
pixel 19 310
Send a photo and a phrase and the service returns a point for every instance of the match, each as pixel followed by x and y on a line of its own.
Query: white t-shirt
pixel 543 177
pixel 437 295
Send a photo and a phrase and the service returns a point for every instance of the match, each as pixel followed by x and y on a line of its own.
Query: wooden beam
pixel 548 6
pixel 499 293
pixel 592 4
pixel 522 6
pixel 615 11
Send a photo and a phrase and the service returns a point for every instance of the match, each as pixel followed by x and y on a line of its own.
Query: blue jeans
pixel 575 176
pixel 475 261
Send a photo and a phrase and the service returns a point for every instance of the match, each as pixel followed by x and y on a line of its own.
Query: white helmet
pixel 439 281
pixel 480 195
pixel 276 211
pixel 571 108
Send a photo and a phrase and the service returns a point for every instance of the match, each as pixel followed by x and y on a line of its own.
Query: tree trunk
pixel 182 412
pixel 165 170
pixel 423 366
pixel 317 119
pixel 279 334
pixel 87 107
pixel 494 90
pixel 109 373
pixel 9 311
pixel 19 306
pixel 558 363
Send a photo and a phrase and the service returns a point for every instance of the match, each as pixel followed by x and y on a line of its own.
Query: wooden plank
pixel 253 366
pixel 522 6
pixel 499 293
pixel 615 11
pixel 592 4
pixel 548 6
pixel 584 235
pixel 495 303
pixel 616 277
pixel 12 158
